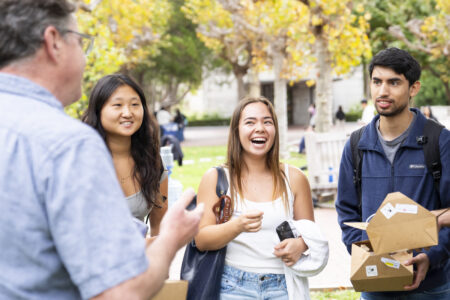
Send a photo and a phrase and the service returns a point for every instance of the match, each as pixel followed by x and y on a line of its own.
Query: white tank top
pixel 253 251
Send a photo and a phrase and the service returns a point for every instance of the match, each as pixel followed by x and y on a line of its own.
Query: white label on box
pixel 392 263
pixel 388 210
pixel 371 271
pixel 406 208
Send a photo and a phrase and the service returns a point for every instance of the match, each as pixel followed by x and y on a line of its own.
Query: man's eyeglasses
pixel 86 41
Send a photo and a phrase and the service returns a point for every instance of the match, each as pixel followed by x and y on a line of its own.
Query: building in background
pixel 218 95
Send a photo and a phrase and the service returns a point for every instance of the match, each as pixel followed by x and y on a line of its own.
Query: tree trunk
pixel 254 84
pixel 139 76
pixel 366 79
pixel 280 101
pixel 447 91
pixel 172 92
pixel 240 85
pixel 324 88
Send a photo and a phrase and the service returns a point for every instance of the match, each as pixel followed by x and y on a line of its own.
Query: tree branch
pixel 184 93
pixel 140 40
pixel 306 2
pixel 232 6
pixel 87 7
pixel 397 32
pixel 423 44
pixel 414 26
pixel 212 31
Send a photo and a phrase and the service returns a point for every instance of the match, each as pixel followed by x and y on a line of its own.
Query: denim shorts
pixel 439 293
pixel 238 284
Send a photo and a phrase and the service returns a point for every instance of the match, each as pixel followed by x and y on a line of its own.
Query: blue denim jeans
pixel 237 284
pixel 439 293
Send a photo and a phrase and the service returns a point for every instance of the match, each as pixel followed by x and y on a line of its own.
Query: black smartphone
pixel 284 231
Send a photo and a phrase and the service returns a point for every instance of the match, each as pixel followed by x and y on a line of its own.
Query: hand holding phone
pixel 286 231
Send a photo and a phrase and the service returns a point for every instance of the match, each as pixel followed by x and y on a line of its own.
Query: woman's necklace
pixel 123 164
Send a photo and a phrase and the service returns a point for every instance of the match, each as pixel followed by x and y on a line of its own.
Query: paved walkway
pixel 337 272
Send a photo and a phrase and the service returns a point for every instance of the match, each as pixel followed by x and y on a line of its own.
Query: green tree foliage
pixel 126 32
pixel 432 91
pixel 178 67
pixel 422 28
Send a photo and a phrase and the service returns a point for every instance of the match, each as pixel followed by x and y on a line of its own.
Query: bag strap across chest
pixel 222 209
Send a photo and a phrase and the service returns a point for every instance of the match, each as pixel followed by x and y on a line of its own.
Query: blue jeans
pixel 237 284
pixel 439 293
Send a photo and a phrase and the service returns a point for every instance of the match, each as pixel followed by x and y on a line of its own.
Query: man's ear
pixel 53 42
pixel 414 89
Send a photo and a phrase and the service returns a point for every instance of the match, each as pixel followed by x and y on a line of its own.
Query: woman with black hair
pixel 118 111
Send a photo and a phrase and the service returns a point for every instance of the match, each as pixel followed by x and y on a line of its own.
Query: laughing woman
pixel 264 193
pixel 118 111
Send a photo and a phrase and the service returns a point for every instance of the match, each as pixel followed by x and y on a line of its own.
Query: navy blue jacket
pixel 408 174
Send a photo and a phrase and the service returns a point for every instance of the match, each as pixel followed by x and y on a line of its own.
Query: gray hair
pixel 22 25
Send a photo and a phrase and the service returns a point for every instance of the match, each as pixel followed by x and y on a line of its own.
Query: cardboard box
pixel 173 290
pixel 372 272
pixel 400 224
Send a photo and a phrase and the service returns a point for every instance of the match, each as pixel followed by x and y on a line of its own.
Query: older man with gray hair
pixel 66 231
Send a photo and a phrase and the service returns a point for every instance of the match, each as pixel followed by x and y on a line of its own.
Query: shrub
pixel 354 114
pixel 208 120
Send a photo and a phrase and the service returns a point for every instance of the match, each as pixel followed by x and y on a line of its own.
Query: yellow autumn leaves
pixel 262 22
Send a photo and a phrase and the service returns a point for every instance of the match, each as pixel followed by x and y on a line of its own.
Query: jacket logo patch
pixel 413 166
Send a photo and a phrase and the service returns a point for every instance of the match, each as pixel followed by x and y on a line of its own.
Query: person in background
pixel 180 119
pixel 312 109
pixel 368 112
pixel 312 115
pixel 302 145
pixel 391 155
pixel 264 193
pixel 118 111
pixel 66 231
pixel 340 116
pixel 428 113
pixel 174 143
pixel 163 115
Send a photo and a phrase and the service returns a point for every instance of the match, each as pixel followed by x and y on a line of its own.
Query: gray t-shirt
pixel 137 203
pixel 391 147
pixel 65 230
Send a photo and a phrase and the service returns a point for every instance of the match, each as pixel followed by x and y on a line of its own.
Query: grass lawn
pixel 206 157
pixel 336 295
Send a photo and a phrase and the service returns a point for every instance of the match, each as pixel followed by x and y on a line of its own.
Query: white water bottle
pixel 167 157
pixel 175 191
pixel 175 188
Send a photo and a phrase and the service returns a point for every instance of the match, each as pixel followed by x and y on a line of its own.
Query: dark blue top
pixel 408 174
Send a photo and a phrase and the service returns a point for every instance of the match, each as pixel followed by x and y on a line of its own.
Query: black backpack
pixel 429 140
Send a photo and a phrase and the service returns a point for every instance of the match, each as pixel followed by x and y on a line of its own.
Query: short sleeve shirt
pixel 65 230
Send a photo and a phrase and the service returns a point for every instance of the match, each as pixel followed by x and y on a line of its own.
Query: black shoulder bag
pixel 203 270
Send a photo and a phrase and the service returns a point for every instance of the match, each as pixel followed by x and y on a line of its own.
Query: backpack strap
pixel 357 156
pixel 430 142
